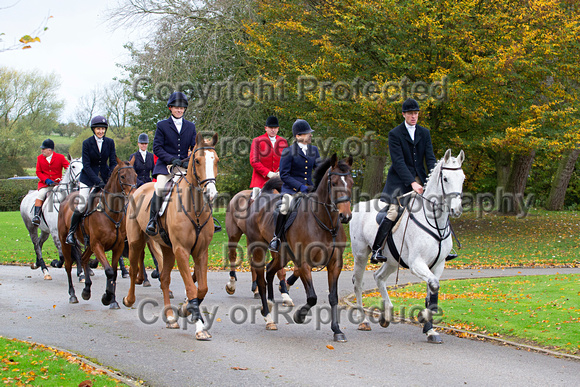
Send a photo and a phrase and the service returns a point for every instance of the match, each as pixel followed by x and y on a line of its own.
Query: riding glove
pixel 49 181
pixel 176 162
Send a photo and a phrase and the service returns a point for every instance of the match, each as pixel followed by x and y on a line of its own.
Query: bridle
pixel 202 183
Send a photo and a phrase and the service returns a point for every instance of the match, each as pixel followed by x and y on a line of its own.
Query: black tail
pixel 274 183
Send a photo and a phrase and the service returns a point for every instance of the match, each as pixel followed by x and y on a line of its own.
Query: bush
pixel 13 191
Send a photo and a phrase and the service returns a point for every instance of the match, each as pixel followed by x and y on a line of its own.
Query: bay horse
pixel 102 229
pixel 49 215
pixel 236 214
pixel 316 239
pixel 188 221
pixel 424 233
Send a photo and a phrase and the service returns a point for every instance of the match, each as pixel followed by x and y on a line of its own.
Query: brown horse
pixel 316 238
pixel 236 214
pixel 103 226
pixel 188 221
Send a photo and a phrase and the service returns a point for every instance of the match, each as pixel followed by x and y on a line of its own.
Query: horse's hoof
pixel 82 278
pixel 202 335
pixel 47 277
pixel 170 295
pixel 172 324
pixel 93 263
pixel 434 339
pixel 73 300
pixel 33 266
pixel 106 300
pixel 257 294
pixel 146 284
pixel 230 290
pixel 384 322
pixel 300 316
pixel 127 303
pixel 340 337
pixel 91 272
pixel 287 300
pixel 114 305
pixel 125 274
pixel 138 281
pixel 155 274
pixel 271 327
pixel 182 310
pixel 364 326
pixel 56 263
pixel 86 295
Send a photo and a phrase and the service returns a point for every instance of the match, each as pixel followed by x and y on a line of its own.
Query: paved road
pixel 38 310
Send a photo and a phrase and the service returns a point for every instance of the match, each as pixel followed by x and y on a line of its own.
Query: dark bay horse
pixel 102 229
pixel 236 214
pixel 188 221
pixel 316 238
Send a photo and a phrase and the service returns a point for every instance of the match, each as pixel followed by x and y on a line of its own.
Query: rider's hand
pixel 49 182
pixel 272 174
pixel 417 187
pixel 176 162
pixel 184 163
pixel 101 184
pixel 304 188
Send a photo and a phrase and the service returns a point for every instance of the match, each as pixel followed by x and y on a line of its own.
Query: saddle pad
pixel 168 189
pixel 383 212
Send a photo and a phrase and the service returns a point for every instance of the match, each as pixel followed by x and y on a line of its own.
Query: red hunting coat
pixel 52 170
pixel 264 158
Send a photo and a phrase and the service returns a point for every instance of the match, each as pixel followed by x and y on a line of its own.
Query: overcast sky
pixel 80 45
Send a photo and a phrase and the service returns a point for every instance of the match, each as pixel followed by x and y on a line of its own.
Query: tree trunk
pixel 503 162
pixel 512 199
pixel 561 180
pixel 375 161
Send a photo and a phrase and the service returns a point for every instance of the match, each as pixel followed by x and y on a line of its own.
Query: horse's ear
pixel 447 155
pixel 132 161
pixel 461 157
pixel 333 160
pixel 68 157
pixel 350 160
pixel 199 139
pixel 119 161
pixel 214 139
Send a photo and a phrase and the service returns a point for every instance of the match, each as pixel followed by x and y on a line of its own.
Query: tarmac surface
pixel 135 342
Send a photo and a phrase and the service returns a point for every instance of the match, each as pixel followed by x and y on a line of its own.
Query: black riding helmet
pixel 99 122
pixel 301 127
pixel 177 99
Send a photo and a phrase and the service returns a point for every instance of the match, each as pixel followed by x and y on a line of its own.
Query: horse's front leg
pixel 381 277
pixel 111 275
pixel 84 259
pixel 257 253
pixel 233 257
pixel 67 252
pixel 287 301
pixel 135 248
pixel 200 268
pixel 334 270
pixel 112 282
pixel 426 316
pixel 311 298
pixel 167 260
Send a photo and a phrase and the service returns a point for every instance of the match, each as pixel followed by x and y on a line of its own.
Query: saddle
pixel 290 216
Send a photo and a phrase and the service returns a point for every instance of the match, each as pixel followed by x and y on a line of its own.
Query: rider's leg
pixel 384 229
pixel 279 220
pixel 77 215
pixel 156 202
pixel 38 204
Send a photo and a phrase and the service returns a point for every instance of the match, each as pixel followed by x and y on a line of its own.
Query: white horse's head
pixel 444 189
pixel 73 173
pixel 451 180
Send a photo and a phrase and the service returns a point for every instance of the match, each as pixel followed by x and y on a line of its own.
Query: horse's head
pixel 339 185
pixel 73 172
pixel 203 164
pixel 123 178
pixel 451 180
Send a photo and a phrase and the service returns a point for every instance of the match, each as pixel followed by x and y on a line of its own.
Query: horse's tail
pixel 274 183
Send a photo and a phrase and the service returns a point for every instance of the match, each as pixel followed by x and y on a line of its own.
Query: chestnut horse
pixel 188 221
pixel 316 239
pixel 103 226
pixel 236 215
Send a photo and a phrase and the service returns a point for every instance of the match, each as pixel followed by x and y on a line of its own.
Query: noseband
pixel 446 194
pixel 133 186
pixel 342 199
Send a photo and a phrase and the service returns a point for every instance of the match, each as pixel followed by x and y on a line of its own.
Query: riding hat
pixel 410 105
pixel 301 127
pixel 177 99
pixel 143 138
pixel 47 144
pixel 99 122
pixel 272 122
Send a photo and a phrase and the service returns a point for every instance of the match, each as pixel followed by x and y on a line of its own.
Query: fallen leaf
pixel 329 346
pixel 240 368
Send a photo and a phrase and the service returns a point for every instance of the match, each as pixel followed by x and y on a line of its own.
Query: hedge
pixel 13 191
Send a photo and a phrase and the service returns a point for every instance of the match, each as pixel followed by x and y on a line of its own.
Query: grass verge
pixel 24 363
pixel 541 310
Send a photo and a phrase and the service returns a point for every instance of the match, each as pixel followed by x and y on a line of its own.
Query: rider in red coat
pixel 49 166
pixel 265 154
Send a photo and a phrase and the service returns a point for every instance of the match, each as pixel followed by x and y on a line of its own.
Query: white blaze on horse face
pixel 211 189
pixel 344 182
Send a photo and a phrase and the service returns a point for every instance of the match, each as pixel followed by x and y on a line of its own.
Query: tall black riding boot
pixel 384 229
pixel 74 223
pixel 36 218
pixel 155 206
pixel 279 220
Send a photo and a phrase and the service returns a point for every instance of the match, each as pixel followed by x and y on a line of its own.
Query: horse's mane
pixel 274 183
pixel 323 167
pixel 434 171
